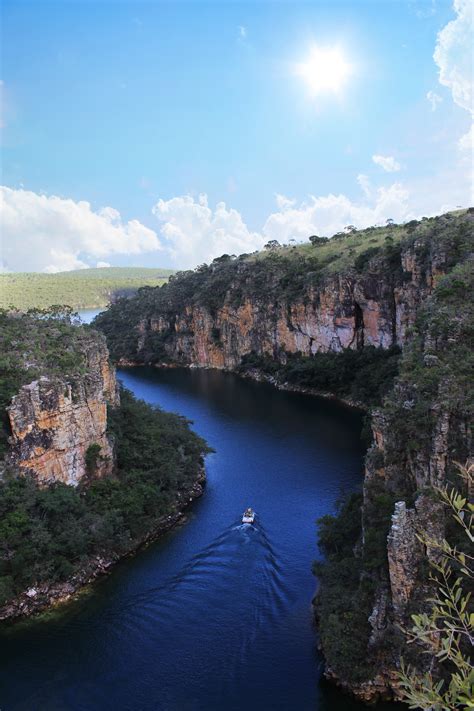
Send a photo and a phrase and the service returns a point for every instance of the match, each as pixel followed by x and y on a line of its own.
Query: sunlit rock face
pixel 345 311
pixel 53 422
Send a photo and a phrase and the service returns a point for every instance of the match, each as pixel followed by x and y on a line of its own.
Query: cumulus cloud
pixel 434 99
pixel 50 234
pixel 453 55
pixel 331 213
pixel 196 233
pixel 388 163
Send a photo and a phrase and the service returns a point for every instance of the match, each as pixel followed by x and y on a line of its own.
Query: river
pixel 215 616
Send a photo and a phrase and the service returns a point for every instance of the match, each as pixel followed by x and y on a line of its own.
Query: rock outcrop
pixel 54 421
pixel 278 305
pixel 273 306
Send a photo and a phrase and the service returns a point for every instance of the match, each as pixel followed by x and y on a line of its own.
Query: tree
pixel 272 245
pixel 315 240
pixel 447 631
pixel 390 223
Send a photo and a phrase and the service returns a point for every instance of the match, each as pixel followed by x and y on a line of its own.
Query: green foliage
pixel 437 365
pixel 446 632
pixel 363 375
pixel 343 603
pixel 51 533
pixel 277 277
pixel 92 457
pixel 41 342
pixel 82 289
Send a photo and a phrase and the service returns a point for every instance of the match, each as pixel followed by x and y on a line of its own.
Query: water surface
pixel 216 616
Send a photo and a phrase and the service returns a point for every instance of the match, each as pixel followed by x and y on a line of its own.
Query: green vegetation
pixel 435 377
pixel 342 604
pixel 364 376
pixel 436 367
pixel 41 342
pixel 51 533
pixel 279 275
pixel 81 289
pixel 447 630
pixel 348 579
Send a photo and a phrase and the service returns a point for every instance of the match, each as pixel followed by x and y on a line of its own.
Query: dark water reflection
pixel 216 616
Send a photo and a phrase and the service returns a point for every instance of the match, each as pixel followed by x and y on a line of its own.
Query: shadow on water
pixel 216 614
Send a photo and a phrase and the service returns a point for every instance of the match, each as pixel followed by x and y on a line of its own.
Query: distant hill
pixel 81 289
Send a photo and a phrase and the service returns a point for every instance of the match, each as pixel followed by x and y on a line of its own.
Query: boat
pixel 248 516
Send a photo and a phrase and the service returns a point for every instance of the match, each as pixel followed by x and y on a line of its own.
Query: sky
pixel 153 133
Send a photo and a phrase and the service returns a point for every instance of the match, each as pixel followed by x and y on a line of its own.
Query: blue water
pixel 87 315
pixel 216 616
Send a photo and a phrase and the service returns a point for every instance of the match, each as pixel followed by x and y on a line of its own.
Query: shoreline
pixel 255 374
pixel 43 597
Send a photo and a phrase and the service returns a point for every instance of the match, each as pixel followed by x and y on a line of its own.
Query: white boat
pixel 248 516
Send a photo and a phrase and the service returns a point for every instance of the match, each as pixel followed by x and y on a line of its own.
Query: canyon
pixel 290 306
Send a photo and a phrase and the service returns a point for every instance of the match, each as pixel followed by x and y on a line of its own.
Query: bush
pixel 51 533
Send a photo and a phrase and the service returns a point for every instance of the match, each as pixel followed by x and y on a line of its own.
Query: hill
pixel 80 289
pixel 383 317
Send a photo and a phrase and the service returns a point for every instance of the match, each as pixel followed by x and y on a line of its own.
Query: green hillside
pixel 81 289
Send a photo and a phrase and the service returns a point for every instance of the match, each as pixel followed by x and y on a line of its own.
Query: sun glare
pixel 325 70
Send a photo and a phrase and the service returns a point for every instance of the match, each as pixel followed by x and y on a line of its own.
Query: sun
pixel 326 70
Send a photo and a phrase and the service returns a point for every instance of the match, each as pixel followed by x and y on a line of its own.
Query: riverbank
pixel 260 377
pixel 39 598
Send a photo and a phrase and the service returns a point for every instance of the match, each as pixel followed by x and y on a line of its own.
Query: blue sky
pixel 121 104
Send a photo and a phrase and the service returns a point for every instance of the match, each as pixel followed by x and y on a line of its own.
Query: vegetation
pixel 52 533
pixel 348 579
pixel 363 376
pixel 41 342
pixel 436 367
pixel 342 604
pixel 80 289
pixel 278 275
pixel 446 632
pixel 435 377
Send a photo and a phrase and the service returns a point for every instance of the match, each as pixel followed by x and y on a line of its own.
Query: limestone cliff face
pixel 53 421
pixel 424 428
pixel 343 311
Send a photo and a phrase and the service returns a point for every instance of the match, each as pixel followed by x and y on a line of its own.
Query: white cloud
pixel 434 99
pixel 453 55
pixel 388 163
pixel 49 233
pixel 195 233
pixel 283 202
pixel 102 265
pixel 329 214
pixel 364 183
pixel 242 32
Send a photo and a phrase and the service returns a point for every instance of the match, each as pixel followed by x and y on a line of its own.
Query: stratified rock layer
pixel 54 422
pixel 348 310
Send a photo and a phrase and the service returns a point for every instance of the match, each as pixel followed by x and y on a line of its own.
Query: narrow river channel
pixel 215 616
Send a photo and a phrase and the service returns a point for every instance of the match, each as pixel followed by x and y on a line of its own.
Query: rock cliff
pixel 284 302
pixel 81 484
pixel 409 286
pixel 424 428
pixel 53 421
